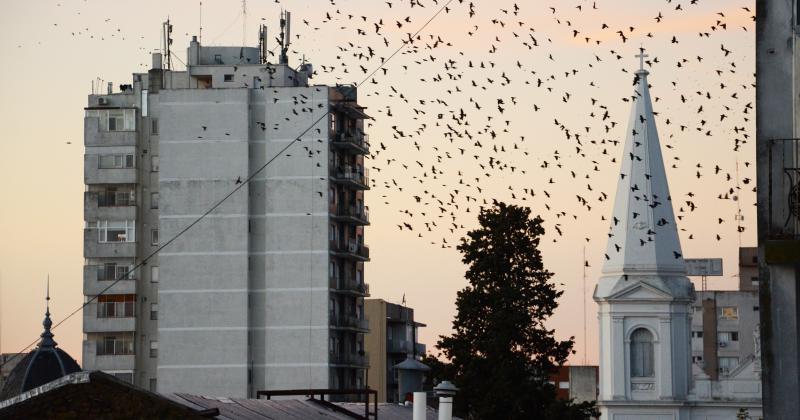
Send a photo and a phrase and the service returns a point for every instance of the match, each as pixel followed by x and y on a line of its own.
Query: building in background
pixel 266 292
pixel 392 340
pixel 577 383
pixel 778 196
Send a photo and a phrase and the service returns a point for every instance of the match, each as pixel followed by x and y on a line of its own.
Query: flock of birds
pixel 509 100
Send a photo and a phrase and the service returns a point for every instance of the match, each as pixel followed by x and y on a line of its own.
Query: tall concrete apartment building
pixel 778 181
pixel 265 292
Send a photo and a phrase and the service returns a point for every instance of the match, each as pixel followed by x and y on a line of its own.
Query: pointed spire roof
pixel 644 236
pixel 47 335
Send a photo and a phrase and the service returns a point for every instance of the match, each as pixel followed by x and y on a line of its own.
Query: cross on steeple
pixel 641 56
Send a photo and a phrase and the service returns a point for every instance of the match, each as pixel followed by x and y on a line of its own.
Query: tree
pixel 501 353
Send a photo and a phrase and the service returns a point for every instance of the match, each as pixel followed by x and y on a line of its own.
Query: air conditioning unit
pixel 102 101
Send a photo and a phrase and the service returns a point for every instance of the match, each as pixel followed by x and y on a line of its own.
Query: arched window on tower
pixel 642 353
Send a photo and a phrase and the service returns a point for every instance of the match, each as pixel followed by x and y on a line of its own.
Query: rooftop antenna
pixel 262 43
pixel 286 36
pixel 739 217
pixel 244 22
pixel 200 35
pixel 583 299
pixel 167 40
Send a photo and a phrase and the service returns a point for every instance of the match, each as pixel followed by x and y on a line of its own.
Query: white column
pixel 666 365
pixel 445 408
pixel 616 347
pixel 420 404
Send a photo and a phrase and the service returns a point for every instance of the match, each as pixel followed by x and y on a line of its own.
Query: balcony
pixel 349 286
pixel 358 215
pixel 108 362
pixel 93 248
pixel 96 278
pixel 353 177
pixel 349 322
pixel 356 142
pixel 93 323
pixel 349 359
pixel 94 136
pixel 782 192
pixel 109 205
pixel 351 249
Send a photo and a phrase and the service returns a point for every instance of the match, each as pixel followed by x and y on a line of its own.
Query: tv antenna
pixel 200 33
pixel 166 32
pixel 286 35
pixel 244 22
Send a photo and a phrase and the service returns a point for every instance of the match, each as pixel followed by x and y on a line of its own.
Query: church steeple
pixel 47 336
pixel 644 237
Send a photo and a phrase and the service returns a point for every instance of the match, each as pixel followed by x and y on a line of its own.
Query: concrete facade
pixel 391 340
pixel 266 292
pixel 777 160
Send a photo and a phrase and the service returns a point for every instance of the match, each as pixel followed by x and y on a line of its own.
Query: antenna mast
pixel 244 22
pixel 167 41
pixel 200 35
pixel 583 301
pixel 286 36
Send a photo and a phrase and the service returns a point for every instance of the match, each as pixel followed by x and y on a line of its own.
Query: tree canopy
pixel 501 353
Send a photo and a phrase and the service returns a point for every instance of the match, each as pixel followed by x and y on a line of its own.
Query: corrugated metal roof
pixel 290 409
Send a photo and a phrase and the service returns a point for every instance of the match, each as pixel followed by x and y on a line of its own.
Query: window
pixel 642 353
pixel 153 311
pixel 115 306
pixel 154 237
pixel 698 309
pixel 154 200
pixel 217 58
pixel 154 349
pixel 563 385
pixel 754 281
pixel 729 312
pixel 144 102
pixel 333 123
pixel 154 163
pixel 697 334
pixel 154 126
pixel 115 345
pixel 727 364
pixel 112 197
pixel 117 161
pixel 154 274
pixel 114 119
pixel 114 271
pixel 725 338
pixel 228 77
pixel 755 308
pixel 153 384
pixel 116 231
pixel 698 360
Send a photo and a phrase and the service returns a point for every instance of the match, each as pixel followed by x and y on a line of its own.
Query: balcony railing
pixel 357 214
pixel 114 347
pixel 110 272
pixel 349 321
pixel 349 285
pixel 351 248
pixel 357 177
pixel 783 189
pixel 115 198
pixel 115 309
pixel 353 140
pixel 356 359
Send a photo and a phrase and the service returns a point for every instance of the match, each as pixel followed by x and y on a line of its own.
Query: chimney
pixel 156 61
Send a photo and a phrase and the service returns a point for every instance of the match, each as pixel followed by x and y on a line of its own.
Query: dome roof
pixel 44 364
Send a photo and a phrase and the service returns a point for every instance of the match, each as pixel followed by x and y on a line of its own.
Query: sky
pixel 532 89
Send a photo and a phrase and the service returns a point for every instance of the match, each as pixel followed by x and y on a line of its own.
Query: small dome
pixel 44 364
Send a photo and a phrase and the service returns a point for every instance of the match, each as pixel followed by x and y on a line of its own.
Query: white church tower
pixel 644 296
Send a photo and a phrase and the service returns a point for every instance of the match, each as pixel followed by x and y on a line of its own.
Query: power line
pixel 237 188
